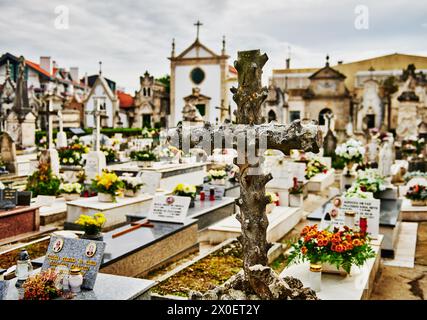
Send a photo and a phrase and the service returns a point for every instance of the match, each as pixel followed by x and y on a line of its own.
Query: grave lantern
pixel 23 267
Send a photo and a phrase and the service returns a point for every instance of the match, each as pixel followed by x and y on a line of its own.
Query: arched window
pixel 144 92
pixel 149 92
pixel 271 116
pixel 322 115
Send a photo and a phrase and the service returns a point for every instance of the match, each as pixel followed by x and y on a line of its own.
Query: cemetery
pixel 220 205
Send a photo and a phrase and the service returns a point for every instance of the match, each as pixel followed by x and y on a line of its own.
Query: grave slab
pixel 357 286
pixel 115 212
pixel 137 252
pixel 413 213
pixel 390 223
pixel 172 174
pixel 321 181
pixel 22 219
pixel 281 221
pixel 205 212
pixel 107 287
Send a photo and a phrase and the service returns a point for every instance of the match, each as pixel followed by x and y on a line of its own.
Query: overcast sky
pixel 133 36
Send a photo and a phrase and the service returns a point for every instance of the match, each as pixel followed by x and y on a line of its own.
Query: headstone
pixel 372 151
pixel 172 209
pixel 84 254
pixel 329 144
pixel 334 215
pixel 150 180
pixel 95 163
pixel 61 137
pixel 8 152
pixel 386 159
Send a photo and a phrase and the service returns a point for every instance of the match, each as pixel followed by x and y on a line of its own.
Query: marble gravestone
pixel 61 137
pixel 86 255
pixel 8 152
pixel 372 151
pixel 385 159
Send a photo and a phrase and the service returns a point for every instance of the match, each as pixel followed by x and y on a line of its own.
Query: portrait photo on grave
pixel 202 152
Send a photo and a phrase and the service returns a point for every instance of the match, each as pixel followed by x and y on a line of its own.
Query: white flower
pixel 71 160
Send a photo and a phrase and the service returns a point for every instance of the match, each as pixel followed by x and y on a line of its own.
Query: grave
pixel 8 153
pixel 125 288
pixel 413 213
pixel 390 223
pixel 22 219
pixel 115 212
pixel 281 221
pixel 171 173
pixel 205 212
pixel 357 286
pixel 321 181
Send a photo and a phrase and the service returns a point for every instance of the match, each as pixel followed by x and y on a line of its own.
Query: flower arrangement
pixel 107 183
pixel 110 154
pixel 296 187
pixel 273 198
pixel 355 192
pixel 217 174
pixel 341 248
pixel 91 225
pixel 370 180
pixel 314 167
pixel 169 152
pixel 417 194
pixel 72 154
pixel 146 133
pixel 143 155
pixel 70 188
pixel 42 286
pixel 43 181
pixel 185 190
pixel 351 151
pixel 414 174
pixel 131 183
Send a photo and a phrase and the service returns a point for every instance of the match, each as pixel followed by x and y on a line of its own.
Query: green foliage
pixel 338 162
pixel 43 182
pixel 166 80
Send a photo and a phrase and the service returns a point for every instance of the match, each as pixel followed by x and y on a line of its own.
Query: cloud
pixel 133 36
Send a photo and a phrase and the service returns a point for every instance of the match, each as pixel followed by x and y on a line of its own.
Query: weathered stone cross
pixel 248 135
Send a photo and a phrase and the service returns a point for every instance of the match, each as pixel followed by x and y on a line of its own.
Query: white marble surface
pixel 93 203
pixel 335 287
pixel 404 255
pixel 107 287
pixel 408 207
pixel 281 221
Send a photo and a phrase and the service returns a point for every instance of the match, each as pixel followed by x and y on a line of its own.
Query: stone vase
pixel 105 197
pixel 131 193
pixel 296 200
pixel 418 203
pixel 192 203
pixel 96 237
pixel 145 164
pixel 71 196
pixel 328 268
pixel 218 182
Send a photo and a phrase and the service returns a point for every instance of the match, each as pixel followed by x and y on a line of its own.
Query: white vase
pixel 105 197
pixel 218 182
pixel 296 200
pixel 131 193
pixel 70 196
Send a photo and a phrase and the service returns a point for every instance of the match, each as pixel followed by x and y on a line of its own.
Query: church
pixel 201 78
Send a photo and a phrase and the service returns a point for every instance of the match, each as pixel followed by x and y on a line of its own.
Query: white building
pixel 201 77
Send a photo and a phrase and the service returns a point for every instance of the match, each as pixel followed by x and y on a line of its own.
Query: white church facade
pixel 201 78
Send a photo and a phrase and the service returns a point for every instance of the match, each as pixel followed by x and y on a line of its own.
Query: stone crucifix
pixel 97 113
pixel 251 138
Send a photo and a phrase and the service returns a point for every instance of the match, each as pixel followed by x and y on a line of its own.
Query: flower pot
pixel 418 203
pixel 105 197
pixel 145 164
pixel 218 182
pixel 191 203
pixel 96 237
pixel 332 269
pixel 296 200
pixel 269 207
pixel 70 196
pixel 131 193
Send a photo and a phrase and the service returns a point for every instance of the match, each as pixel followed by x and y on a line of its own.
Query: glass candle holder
pixel 315 277
pixel 349 219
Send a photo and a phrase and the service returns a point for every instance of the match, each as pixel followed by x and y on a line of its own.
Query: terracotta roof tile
pixel 126 100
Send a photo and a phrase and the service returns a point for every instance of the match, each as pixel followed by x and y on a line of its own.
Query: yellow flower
pixel 179 187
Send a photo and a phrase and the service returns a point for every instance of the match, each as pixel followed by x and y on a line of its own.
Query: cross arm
pixel 302 135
